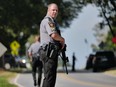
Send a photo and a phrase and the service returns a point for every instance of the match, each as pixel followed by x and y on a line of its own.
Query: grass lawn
pixel 111 71
pixel 5 77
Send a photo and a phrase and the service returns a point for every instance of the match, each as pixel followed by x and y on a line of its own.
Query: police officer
pixel 35 59
pixel 50 33
pixel 73 61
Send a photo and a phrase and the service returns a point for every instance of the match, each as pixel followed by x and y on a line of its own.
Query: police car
pixel 102 60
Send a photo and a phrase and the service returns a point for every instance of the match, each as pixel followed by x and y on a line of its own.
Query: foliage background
pixel 20 19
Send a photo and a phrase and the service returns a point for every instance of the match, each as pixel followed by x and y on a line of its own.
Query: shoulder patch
pixel 52 25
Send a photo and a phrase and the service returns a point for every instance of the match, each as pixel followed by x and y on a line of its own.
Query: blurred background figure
pixel 73 61
pixel 35 59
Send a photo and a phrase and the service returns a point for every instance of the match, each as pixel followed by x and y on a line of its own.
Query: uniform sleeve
pixel 49 26
pixel 30 50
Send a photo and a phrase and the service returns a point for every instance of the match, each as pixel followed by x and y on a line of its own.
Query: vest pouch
pixel 53 53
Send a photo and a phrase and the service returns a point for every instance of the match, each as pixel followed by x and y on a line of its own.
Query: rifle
pixel 64 58
pixel 52 50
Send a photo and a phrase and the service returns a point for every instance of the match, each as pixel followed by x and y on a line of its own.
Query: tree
pixel 107 10
pixel 21 18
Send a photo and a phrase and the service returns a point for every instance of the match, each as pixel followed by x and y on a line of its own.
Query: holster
pixel 51 50
pixel 35 56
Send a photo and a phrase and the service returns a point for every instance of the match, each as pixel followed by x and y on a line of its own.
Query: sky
pixel 80 29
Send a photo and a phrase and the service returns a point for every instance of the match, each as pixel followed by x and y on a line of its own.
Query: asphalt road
pixel 77 79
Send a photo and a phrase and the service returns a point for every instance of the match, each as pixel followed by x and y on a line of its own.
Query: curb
pixel 15 81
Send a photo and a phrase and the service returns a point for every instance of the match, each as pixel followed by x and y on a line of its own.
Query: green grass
pixel 4 83
pixel 5 77
pixel 111 71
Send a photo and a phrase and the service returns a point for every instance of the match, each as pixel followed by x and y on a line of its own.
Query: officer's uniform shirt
pixel 34 48
pixel 47 27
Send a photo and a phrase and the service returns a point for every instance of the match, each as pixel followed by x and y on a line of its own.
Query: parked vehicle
pixel 23 62
pixel 8 61
pixel 89 63
pixel 102 60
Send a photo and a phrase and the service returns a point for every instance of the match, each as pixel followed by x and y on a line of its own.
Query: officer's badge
pixel 52 26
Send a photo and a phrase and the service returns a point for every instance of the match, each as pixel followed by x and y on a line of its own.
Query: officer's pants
pixel 37 66
pixel 50 71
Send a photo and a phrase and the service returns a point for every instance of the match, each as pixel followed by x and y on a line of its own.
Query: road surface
pixel 77 79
